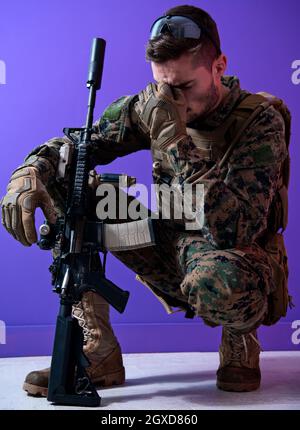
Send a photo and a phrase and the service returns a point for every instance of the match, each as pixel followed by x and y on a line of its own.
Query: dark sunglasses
pixel 180 27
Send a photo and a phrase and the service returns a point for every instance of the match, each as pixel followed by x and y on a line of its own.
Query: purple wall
pixel 45 47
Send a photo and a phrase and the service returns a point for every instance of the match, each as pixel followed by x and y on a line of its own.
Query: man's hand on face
pixel 162 113
pixel 175 97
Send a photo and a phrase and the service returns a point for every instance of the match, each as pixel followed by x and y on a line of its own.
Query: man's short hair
pixel 165 47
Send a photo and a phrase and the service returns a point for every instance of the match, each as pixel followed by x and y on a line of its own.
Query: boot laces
pixel 239 344
pixel 78 313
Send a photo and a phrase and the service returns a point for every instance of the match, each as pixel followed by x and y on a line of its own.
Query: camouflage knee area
pixel 223 287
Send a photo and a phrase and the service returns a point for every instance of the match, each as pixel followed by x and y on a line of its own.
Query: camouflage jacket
pixel 236 198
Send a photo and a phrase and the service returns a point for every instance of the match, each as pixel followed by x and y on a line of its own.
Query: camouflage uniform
pixel 220 271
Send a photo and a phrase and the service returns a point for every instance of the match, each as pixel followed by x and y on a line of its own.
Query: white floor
pixel 169 381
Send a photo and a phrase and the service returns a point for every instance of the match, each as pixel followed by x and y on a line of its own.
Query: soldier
pixel 189 119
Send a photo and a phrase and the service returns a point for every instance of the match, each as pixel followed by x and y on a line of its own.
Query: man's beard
pixel 208 100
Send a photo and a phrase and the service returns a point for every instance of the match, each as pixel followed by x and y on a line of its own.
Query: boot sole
pixel 35 390
pixel 229 386
pixel 111 379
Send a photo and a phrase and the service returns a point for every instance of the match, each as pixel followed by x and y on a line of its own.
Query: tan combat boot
pixel 239 361
pixel 100 346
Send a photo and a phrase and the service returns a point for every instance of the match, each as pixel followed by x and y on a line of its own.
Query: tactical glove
pixel 162 114
pixel 25 192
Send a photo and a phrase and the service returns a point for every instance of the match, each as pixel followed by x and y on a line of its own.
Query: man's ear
pixel 219 67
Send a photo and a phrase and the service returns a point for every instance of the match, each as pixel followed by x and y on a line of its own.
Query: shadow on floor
pixel 280 386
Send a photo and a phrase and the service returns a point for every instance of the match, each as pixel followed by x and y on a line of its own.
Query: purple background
pixel 45 46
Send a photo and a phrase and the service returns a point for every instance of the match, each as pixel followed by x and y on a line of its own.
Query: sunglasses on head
pixel 179 27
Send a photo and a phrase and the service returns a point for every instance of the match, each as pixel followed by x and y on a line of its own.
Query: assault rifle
pixel 76 241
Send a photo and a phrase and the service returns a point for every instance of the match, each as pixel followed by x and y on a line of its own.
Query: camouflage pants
pixel 225 287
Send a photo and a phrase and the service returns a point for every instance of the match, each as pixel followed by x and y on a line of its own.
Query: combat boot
pixel 100 346
pixel 239 361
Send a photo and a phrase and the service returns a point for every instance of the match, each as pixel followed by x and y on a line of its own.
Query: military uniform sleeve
pixel 45 157
pixel 116 133
pixel 236 207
